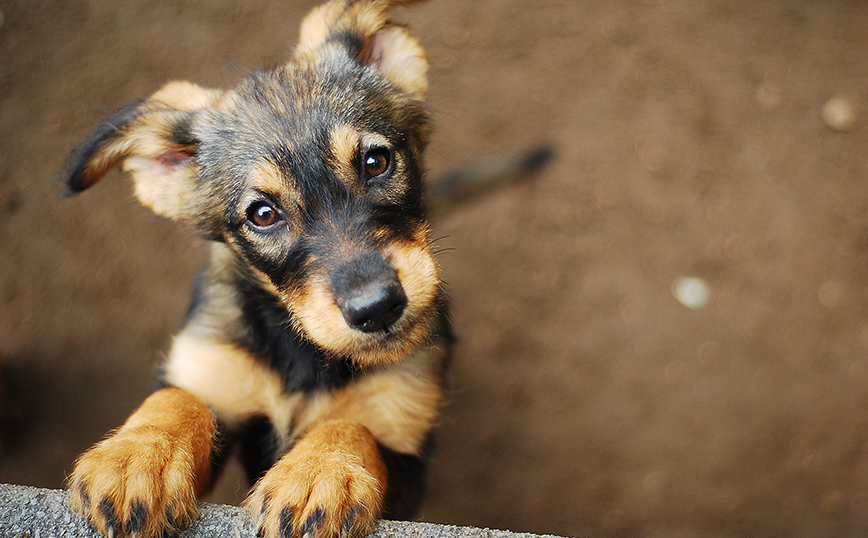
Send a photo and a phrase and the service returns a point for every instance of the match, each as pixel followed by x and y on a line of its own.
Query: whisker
pixel 436 239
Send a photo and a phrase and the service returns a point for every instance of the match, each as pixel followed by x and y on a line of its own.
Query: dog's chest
pixel 395 402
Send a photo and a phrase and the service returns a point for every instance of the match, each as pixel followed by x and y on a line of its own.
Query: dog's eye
pixel 263 215
pixel 378 162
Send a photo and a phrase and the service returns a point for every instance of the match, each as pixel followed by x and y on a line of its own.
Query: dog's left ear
pixel 154 142
pixel 362 29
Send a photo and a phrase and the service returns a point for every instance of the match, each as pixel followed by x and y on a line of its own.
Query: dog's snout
pixel 368 292
pixel 375 306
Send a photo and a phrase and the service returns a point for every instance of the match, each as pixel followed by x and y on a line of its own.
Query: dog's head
pixel 310 172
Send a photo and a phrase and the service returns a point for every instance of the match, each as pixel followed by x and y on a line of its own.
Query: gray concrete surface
pixel 27 512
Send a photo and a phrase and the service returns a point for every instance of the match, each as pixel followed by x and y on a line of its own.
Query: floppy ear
pixel 154 142
pixel 363 29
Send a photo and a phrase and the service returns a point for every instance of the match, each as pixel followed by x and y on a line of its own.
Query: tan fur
pixel 334 475
pixel 183 95
pixel 370 140
pixel 231 382
pixel 321 318
pixel 267 178
pixel 159 459
pixel 417 270
pixel 344 146
pixel 398 404
pixel 164 189
pixel 406 65
pixel 162 181
pixel 420 276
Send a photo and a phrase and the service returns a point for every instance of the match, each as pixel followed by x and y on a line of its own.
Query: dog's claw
pixel 285 527
pixel 312 523
pixel 137 518
pixel 110 514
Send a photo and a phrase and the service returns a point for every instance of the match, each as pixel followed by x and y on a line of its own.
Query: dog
pixel 315 344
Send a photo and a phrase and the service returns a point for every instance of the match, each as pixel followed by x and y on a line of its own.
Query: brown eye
pixel 377 162
pixel 263 215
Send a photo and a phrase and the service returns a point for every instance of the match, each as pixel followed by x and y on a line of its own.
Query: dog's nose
pixel 368 292
pixel 374 306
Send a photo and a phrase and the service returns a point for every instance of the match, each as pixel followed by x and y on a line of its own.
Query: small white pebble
pixel 691 291
pixel 839 113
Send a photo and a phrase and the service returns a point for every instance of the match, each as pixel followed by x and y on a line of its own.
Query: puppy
pixel 316 339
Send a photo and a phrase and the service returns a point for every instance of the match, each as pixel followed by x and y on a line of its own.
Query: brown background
pixel 585 399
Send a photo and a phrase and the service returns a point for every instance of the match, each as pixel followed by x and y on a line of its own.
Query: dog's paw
pixel 316 496
pixel 138 482
pixel 323 488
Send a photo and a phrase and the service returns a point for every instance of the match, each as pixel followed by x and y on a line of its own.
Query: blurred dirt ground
pixel 586 400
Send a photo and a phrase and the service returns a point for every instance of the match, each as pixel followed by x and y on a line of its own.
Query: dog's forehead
pixel 298 124
pixel 303 105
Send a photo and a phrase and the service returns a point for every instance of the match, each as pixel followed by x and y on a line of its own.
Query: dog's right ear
pixel 363 29
pixel 154 142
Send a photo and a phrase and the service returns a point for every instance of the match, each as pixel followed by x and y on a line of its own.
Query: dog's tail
pixel 485 175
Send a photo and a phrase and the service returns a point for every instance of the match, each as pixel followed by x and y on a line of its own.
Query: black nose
pixel 374 306
pixel 368 292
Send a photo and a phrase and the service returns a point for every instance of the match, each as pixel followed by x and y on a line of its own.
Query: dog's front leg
pixel 144 478
pixel 330 484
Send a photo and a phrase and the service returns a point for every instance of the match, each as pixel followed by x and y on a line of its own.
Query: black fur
pixel 407 482
pixel 182 134
pixel 269 335
pixel 73 175
pixel 258 446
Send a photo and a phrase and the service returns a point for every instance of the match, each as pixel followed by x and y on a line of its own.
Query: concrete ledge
pixel 27 512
